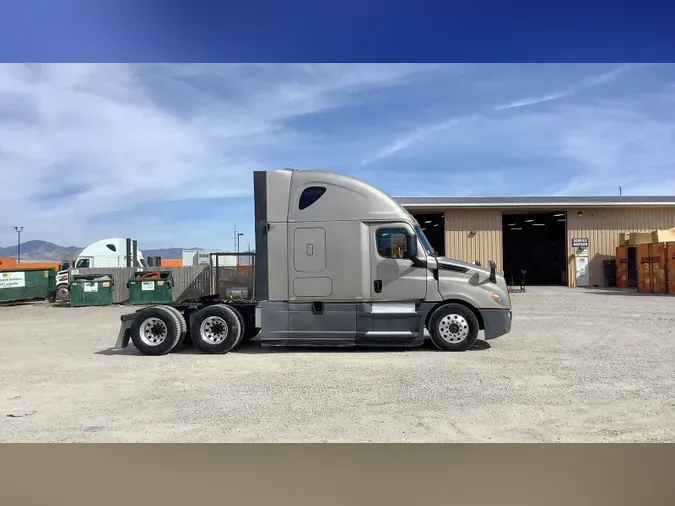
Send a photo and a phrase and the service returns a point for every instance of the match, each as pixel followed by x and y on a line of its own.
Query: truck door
pixel 392 276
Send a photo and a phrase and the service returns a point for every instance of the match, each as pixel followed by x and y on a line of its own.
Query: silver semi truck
pixel 338 263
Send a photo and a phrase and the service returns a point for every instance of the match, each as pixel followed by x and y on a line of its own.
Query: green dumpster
pixel 27 284
pixel 91 290
pixel 151 288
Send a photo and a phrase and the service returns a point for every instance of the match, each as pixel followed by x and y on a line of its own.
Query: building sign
pixel 12 279
pixel 203 258
pixel 580 242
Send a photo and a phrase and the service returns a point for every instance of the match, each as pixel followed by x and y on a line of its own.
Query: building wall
pixel 603 226
pixel 484 246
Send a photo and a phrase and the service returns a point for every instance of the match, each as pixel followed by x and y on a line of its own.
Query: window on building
pixel 310 195
pixel 391 242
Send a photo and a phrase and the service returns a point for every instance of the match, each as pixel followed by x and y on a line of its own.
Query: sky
pixel 164 152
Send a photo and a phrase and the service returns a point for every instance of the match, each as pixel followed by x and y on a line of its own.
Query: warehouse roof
pixel 547 201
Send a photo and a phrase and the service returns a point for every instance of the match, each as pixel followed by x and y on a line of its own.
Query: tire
pixel 453 327
pixel 181 322
pixel 155 331
pixel 62 293
pixel 217 329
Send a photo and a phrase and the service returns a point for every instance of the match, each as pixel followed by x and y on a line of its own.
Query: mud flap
pixel 124 335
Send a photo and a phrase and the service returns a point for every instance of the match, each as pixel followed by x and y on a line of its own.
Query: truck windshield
pixel 425 242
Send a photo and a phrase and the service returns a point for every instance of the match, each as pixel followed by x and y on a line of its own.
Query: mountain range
pixel 49 252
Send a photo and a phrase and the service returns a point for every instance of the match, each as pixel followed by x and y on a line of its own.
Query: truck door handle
pixel 377 284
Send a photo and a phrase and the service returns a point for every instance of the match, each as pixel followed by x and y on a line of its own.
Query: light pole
pixel 239 234
pixel 18 244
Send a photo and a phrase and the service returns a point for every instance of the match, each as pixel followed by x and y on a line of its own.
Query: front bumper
pixel 497 322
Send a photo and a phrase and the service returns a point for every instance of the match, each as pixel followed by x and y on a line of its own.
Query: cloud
pixel 411 138
pixel 524 102
pixel 594 80
pixel 421 133
pixel 164 153
pixel 109 138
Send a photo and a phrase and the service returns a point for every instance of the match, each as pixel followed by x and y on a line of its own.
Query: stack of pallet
pixel 651 255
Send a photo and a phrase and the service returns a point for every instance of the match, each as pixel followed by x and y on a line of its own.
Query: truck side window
pixel 83 263
pixel 391 242
pixel 111 247
pixel 310 195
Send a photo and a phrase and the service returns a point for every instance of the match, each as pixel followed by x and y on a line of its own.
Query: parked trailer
pixel 17 285
pixel 338 263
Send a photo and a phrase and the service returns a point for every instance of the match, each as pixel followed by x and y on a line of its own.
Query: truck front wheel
pixel 62 293
pixel 453 327
pixel 216 329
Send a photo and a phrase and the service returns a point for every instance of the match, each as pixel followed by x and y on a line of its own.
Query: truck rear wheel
pixel 181 321
pixel 155 331
pixel 453 327
pixel 217 329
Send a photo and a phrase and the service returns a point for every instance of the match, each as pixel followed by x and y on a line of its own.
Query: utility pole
pixel 238 238
pixel 620 191
pixel 18 244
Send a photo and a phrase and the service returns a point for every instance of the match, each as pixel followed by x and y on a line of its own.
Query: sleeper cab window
pixel 391 242
pixel 310 195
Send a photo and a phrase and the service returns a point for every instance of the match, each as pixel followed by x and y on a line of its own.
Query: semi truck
pixel 338 263
pixel 112 252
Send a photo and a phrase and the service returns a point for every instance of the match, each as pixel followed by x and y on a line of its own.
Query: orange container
pixel 643 268
pixel 657 256
pixel 651 268
pixel 670 267
pixel 622 267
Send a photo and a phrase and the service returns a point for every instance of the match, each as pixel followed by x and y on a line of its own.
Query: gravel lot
pixel 579 366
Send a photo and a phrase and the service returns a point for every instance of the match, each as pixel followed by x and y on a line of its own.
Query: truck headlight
pixel 498 299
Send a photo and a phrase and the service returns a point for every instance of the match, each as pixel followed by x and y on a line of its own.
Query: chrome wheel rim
pixel 453 328
pixel 214 330
pixel 153 332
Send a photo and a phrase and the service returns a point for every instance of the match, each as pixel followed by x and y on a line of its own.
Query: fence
pixel 189 282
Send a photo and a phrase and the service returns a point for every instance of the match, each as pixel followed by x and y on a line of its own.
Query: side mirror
pixel 493 272
pixel 411 247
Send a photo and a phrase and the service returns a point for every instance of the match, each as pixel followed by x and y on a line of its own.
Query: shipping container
pixel 622 267
pixel 652 268
pixel 644 268
pixel 670 267
pixel 657 253
pixel 27 284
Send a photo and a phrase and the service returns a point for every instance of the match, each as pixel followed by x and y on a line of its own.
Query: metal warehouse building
pixel 556 240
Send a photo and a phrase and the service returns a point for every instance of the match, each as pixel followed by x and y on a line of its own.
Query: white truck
pixel 338 263
pixel 112 252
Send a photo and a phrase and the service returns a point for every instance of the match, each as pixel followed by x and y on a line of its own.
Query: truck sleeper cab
pixel 338 263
